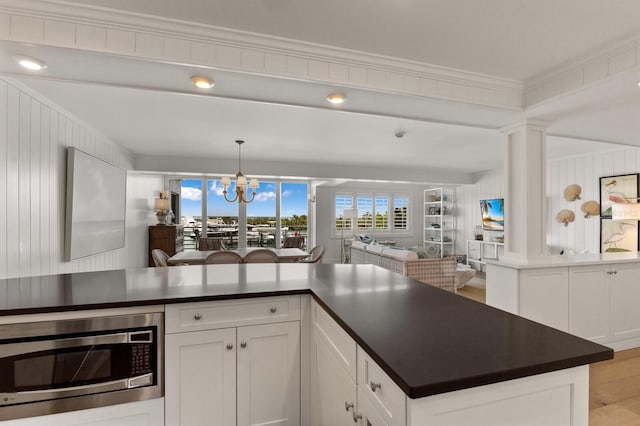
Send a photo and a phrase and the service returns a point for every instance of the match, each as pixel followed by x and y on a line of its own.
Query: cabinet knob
pixel 229 346
pixel 197 316
pixel 243 345
pixel 374 386
pixel 273 310
pixel 356 417
pixel 348 405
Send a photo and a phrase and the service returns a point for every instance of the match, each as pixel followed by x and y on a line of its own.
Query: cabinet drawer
pixel 384 394
pixel 343 346
pixel 230 313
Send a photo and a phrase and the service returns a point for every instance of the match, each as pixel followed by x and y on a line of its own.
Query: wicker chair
pixel 159 257
pixel 293 242
pixel 208 244
pixel 261 256
pixel 221 257
pixel 315 255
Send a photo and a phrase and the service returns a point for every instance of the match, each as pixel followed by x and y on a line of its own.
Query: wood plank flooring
pixel 614 390
pixel 614 386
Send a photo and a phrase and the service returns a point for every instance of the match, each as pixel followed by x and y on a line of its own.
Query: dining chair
pixel 220 257
pixel 159 257
pixel 315 255
pixel 208 244
pixel 261 256
pixel 293 242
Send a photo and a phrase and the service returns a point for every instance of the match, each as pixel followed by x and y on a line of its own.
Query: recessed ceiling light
pixel 202 82
pixel 31 64
pixel 336 98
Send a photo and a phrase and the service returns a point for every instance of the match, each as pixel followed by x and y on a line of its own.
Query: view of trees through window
pixel 373 213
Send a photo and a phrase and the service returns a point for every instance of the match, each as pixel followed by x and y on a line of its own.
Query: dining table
pixel 197 257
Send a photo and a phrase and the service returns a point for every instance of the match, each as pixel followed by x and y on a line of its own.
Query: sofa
pixel 443 272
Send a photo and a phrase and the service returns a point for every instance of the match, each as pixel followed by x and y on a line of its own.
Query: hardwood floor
pixel 614 390
pixel 614 386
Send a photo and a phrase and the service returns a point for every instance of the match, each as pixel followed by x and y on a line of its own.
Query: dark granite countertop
pixel 427 340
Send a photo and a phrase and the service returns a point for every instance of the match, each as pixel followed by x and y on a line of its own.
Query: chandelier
pixel 241 183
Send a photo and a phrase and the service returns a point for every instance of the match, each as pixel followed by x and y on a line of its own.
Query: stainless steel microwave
pixel 56 366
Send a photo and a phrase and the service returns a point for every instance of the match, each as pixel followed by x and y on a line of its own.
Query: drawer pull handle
pixel 374 386
pixel 197 317
pixel 356 417
pixel 229 346
pixel 348 406
pixel 243 345
pixel 273 310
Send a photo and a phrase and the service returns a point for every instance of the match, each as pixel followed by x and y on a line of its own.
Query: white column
pixel 525 191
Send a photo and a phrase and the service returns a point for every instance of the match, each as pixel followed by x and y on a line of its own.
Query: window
pixel 294 209
pixel 400 213
pixel 365 212
pixel 222 217
pixel 343 202
pixel 382 213
pixel 261 217
pixel 376 213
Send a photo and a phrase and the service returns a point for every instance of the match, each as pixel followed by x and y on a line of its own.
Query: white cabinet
pixel 367 414
pixel 269 374
pixel 333 391
pixel 604 303
pixel 544 296
pixel 439 222
pixel 200 378
pixel 589 307
pixel 339 390
pixel 625 301
pixel 596 301
pixel 245 375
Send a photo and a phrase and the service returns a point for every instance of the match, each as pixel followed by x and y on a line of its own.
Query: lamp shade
pixel 161 204
pixel 623 211
pixel 350 213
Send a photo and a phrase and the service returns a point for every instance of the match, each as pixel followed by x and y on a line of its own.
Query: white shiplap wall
pixel 34 135
pixel 585 170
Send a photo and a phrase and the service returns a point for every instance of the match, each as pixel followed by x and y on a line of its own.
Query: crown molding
pixel 584 72
pixel 73 25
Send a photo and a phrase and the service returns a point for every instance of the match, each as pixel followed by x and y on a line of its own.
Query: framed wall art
pixel 618 236
pixel 614 189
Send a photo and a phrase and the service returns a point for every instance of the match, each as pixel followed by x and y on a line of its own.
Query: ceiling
pixel 152 108
pixel 515 39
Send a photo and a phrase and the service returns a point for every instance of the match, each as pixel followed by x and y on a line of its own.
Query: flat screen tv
pixel 492 214
pixel 96 205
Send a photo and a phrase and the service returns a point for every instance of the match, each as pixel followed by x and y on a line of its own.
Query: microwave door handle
pixel 21 348
pixel 46 394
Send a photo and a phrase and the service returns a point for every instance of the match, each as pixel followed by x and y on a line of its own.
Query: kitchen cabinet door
pixel 200 378
pixel 625 300
pixel 589 302
pixel 367 415
pixel 333 392
pixel 269 374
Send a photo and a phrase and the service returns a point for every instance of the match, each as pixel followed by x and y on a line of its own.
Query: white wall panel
pixel 34 135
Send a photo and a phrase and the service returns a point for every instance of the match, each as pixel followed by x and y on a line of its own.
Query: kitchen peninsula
pixel 594 296
pixel 409 354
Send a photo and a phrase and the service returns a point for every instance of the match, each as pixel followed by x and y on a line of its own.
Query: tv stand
pixel 482 250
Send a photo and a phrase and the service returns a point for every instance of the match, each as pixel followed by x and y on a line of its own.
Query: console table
pixel 481 248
